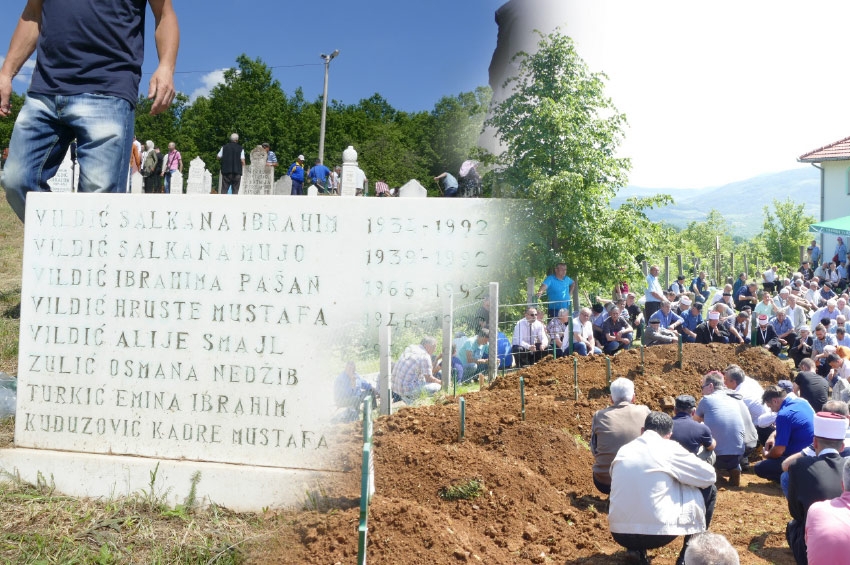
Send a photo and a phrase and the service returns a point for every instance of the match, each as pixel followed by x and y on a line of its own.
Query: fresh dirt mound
pixel 538 504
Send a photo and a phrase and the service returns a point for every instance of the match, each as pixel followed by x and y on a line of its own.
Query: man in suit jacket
pixel 812 479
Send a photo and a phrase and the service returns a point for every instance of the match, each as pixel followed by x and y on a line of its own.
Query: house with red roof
pixel 833 160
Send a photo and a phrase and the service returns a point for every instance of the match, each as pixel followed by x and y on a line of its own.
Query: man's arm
pixel 167 36
pixel 22 45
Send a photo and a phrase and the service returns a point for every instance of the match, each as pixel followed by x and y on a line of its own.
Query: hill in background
pixel 740 202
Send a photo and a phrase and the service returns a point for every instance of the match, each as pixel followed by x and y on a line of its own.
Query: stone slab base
pixel 241 488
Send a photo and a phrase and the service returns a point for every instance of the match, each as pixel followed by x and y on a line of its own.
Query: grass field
pixel 38 525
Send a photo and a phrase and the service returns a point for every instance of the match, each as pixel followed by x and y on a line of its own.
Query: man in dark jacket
pixel 812 479
pixel 232 158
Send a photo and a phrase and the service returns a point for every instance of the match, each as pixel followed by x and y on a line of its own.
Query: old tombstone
pixel 137 183
pixel 176 183
pixel 195 180
pixel 66 177
pixel 353 176
pixel 312 190
pixel 283 186
pixel 207 186
pixel 412 189
pixel 257 178
pixel 204 334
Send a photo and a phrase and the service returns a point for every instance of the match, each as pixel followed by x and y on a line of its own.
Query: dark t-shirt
pixel 90 47
pixel 689 433
pixel 813 388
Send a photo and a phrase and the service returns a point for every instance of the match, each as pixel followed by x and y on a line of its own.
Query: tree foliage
pixel 561 134
pixel 784 230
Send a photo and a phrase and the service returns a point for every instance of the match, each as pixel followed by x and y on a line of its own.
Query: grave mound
pixel 538 503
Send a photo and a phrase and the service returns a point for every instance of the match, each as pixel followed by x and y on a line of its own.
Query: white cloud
pixel 209 81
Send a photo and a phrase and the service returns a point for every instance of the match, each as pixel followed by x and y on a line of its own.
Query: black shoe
pixel 637 556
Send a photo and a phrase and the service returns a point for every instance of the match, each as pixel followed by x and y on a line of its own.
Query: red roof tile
pixel 838 151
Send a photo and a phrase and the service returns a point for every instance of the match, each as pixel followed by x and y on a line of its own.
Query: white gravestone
pixel 205 334
pixel 352 175
pixel 283 186
pixel 207 182
pixel 195 180
pixel 412 189
pixel 137 183
pixel 312 190
pixel 66 177
pixel 258 178
pixel 176 186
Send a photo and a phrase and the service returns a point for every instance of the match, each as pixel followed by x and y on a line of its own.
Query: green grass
pixel 465 490
pixel 11 258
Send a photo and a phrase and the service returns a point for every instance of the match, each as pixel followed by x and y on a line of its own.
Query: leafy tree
pixel 457 122
pixel 784 230
pixel 561 135
pixel 8 123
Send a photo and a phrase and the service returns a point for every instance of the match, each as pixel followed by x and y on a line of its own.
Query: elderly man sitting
pixel 583 340
pixel 617 332
pixel 659 491
pixel 530 340
pixel 656 335
pixel 412 374
pixel 612 428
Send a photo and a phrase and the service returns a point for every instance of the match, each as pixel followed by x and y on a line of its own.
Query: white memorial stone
pixel 195 180
pixel 412 189
pixel 207 182
pixel 137 183
pixel 257 178
pixel 352 175
pixel 312 190
pixel 205 334
pixel 65 179
pixel 283 186
pixel 176 186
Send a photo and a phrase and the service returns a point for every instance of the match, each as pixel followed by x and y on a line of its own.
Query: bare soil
pixel 539 504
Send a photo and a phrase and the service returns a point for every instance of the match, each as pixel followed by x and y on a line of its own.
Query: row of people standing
pixel 157 168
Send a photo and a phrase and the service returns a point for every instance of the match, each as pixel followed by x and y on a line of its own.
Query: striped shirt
pixel 410 370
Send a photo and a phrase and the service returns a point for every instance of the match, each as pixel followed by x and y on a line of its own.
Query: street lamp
pixel 327 59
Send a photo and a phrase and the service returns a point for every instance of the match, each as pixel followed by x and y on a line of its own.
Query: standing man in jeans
pixel 558 289
pixel 173 163
pixel 85 86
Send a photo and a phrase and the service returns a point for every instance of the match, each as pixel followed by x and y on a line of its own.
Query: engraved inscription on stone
pixel 195 180
pixel 257 179
pixel 210 329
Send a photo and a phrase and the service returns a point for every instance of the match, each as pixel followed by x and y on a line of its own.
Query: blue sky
pixel 412 53
pixel 711 95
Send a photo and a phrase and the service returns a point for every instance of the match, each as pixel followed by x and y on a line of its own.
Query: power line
pixel 29 73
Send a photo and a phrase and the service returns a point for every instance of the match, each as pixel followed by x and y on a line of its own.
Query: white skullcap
pixel 714 315
pixel 685 301
pixel 830 426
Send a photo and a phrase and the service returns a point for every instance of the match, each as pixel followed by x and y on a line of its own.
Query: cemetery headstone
pixel 283 186
pixel 352 175
pixel 137 183
pixel 207 182
pixel 176 183
pixel 195 181
pixel 412 189
pixel 257 178
pixel 312 190
pixel 65 179
pixel 205 334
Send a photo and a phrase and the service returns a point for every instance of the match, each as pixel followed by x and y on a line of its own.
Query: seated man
pixel 828 526
pixel 810 386
pixel 655 484
pixel 583 340
pixel 558 330
pixel 690 320
pixel 826 314
pixel 766 336
pixel 635 314
pixel 806 271
pixel 823 344
pixel 351 390
pixel 612 428
pixel 669 319
pixel 617 332
pixel 692 435
pixel 803 347
pixel 738 327
pixel 739 282
pixel 530 340
pixel 710 331
pixel 747 296
pixel 678 287
pixel 656 335
pixel 412 374
pixel 724 417
pixel 794 431
pixel 841 337
pixel 473 354
pixel 813 479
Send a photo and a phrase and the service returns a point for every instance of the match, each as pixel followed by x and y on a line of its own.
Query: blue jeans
pixel 46 126
pixel 581 349
pixel 167 185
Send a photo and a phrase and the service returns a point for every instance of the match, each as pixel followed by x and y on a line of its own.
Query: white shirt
pixel 526 335
pixel 751 393
pixel 584 330
pixel 769 276
pixel 652 285
pixel 655 486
